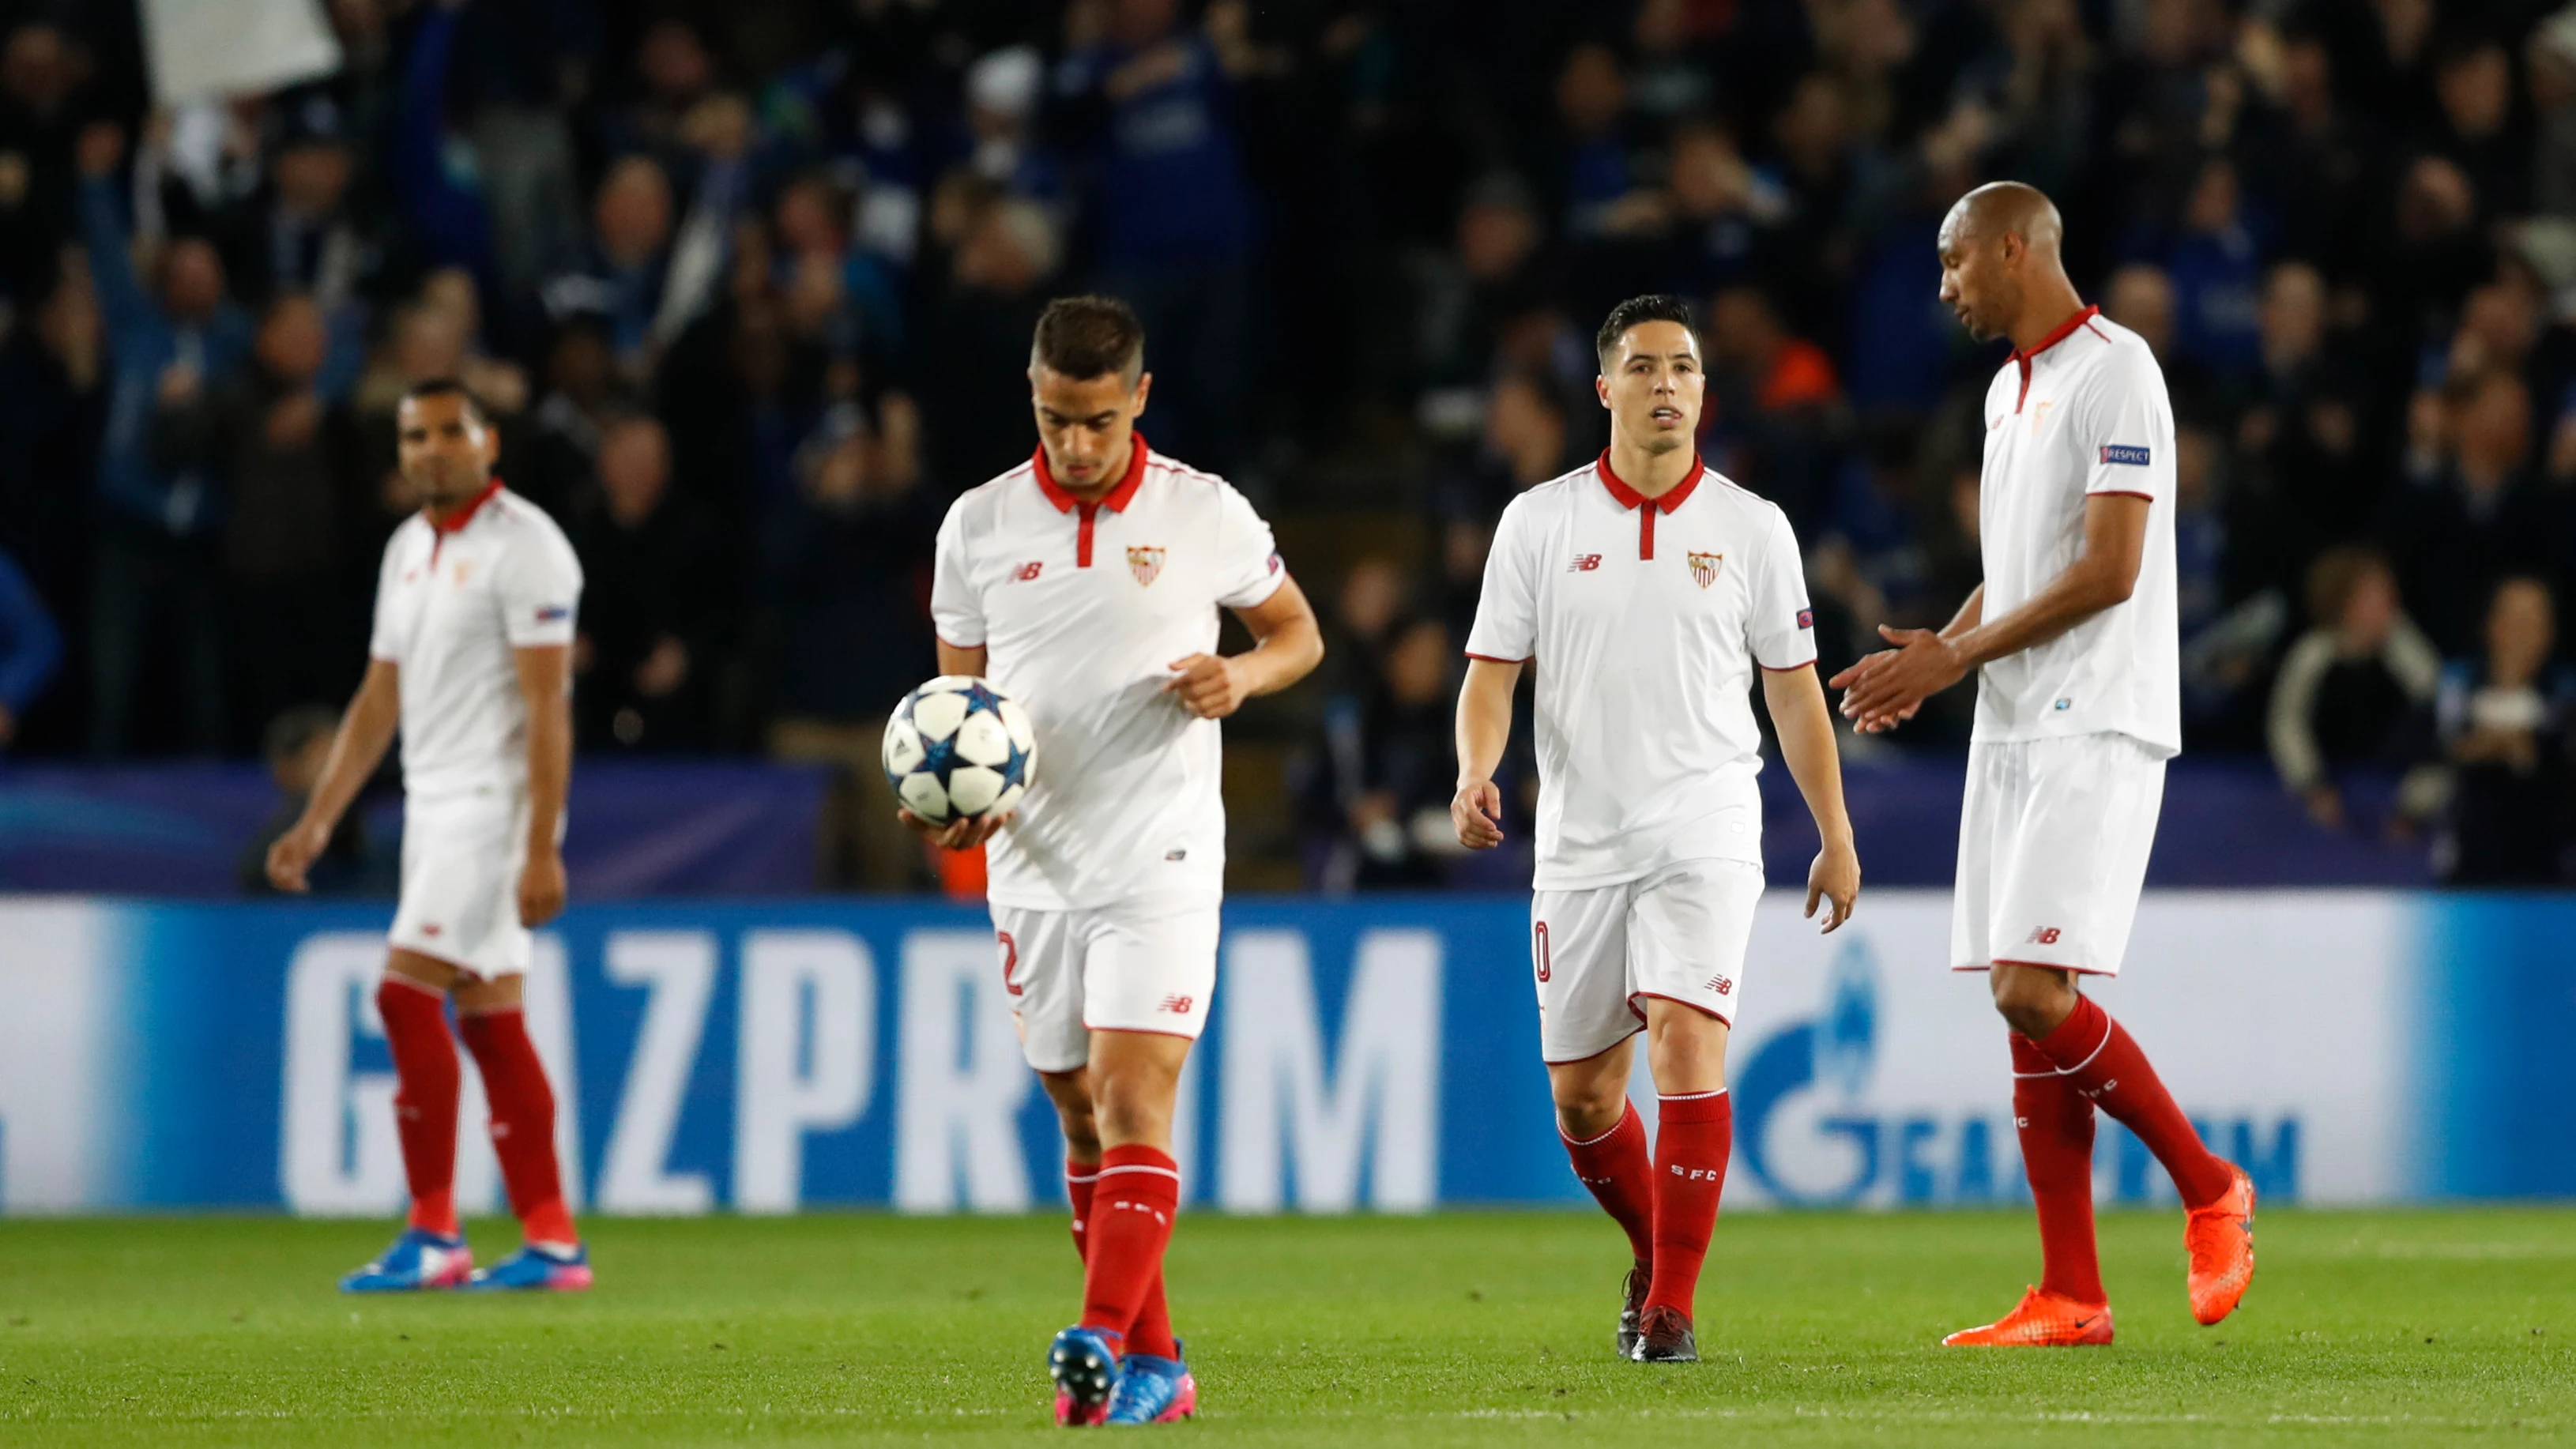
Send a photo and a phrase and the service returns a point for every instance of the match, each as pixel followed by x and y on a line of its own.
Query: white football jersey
pixel 2084 412
pixel 451 604
pixel 1644 620
pixel 1082 608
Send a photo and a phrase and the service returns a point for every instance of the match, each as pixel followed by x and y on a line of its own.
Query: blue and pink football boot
pixel 418 1260
pixel 537 1269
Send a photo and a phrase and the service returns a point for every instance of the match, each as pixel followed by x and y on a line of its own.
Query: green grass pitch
pixel 1471 1328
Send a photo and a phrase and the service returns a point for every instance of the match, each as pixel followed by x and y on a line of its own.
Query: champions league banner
pixel 2345 1047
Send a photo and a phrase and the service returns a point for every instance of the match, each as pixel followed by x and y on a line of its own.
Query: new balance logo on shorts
pixel 1177 1005
pixel 2044 936
pixel 1722 985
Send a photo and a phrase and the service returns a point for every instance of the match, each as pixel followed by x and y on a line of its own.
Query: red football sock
pixel 1621 1176
pixel 1153 1331
pixel 1079 1178
pixel 523 1122
pixel 1138 1195
pixel 1693 1137
pixel 425 1084
pixel 2100 1059
pixel 2056 1124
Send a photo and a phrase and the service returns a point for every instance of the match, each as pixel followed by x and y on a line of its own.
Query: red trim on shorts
pixel 470 972
pixel 1570 1061
pixel 1142 1031
pixel 2042 965
pixel 1636 996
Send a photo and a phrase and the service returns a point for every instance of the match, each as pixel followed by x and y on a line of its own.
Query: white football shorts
pixel 1597 954
pixel 461 858
pixel 2053 842
pixel 1143 965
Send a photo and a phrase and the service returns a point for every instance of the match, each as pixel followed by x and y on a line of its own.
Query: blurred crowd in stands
pixel 749 286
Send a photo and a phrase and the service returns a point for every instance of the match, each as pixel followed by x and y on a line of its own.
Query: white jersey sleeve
pixel 956 609
pixel 1248 569
pixel 539 587
pixel 2124 423
pixel 1781 627
pixel 1506 627
pixel 386 639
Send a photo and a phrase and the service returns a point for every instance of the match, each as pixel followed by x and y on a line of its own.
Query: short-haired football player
pixel 1086 584
pixel 471 658
pixel 2073 641
pixel 1648 592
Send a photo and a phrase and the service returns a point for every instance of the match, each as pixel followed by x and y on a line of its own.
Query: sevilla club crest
pixel 1145 563
pixel 1704 567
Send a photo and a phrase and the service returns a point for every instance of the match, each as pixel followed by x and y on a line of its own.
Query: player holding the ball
pixel 1083 586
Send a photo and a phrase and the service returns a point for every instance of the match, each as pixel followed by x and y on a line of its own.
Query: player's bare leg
pixel 1124 1342
pixel 1686 1054
pixel 431 1253
pixel 1606 1141
pixel 2069 1057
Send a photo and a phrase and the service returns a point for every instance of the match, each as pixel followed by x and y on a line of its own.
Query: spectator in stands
pixel 1775 417
pixel 845 622
pixel 584 394
pixel 643 649
pixel 1492 269
pixel 282 458
pixel 2217 267
pixel 621 278
pixel 52 411
pixel 2468 512
pixel 296 744
pixel 2508 724
pixel 1153 103
pixel 31 648
pixel 156 562
pixel 297 233
pixel 1003 88
pixel 2353 689
pixel 40 75
pixel 1383 791
pixel 976 348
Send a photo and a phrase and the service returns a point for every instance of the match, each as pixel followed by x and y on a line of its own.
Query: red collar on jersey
pixel 2062 331
pixel 455 522
pixel 1628 497
pixel 1116 499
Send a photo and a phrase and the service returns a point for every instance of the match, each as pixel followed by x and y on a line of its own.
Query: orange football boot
pixel 2220 1239
pixel 2040 1320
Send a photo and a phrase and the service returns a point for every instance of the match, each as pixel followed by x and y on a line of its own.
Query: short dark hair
pixel 447 387
pixel 1088 337
pixel 1636 311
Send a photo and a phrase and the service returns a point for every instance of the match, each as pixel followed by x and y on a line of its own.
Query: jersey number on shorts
pixel 1546 958
pixel 1010 961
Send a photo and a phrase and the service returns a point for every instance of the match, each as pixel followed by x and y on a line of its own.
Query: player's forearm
pixel 2089 586
pixel 1282 657
pixel 1805 727
pixel 549 770
pixel 1970 615
pixel 357 747
pixel 1484 718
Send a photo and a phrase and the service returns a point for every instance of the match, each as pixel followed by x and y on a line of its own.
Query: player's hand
pixel 1834 878
pixel 1885 689
pixel 541 888
pixel 958 834
pixel 1209 685
pixel 1477 811
pixel 292 854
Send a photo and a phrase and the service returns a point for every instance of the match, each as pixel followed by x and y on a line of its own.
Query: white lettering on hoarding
pixel 680 969
pixel 961 1080
pixel 807 1054
pixel 339 1153
pixel 1385 1092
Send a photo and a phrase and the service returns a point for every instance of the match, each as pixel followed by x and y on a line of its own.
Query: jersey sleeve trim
pixel 2119 493
pixel 1808 663
pixel 1494 659
pixel 951 643
pixel 1278 580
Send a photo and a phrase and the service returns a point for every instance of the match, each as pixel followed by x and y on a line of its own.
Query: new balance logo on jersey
pixel 1704 567
pixel 1177 1005
pixel 1585 563
pixel 1027 571
pixel 2044 936
pixel 2123 453
pixel 1722 985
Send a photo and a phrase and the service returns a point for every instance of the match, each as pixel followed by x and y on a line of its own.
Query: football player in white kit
pixel 1645 590
pixel 471 659
pixel 1086 584
pixel 2072 638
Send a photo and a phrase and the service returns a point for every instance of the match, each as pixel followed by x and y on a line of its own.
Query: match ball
pixel 959 749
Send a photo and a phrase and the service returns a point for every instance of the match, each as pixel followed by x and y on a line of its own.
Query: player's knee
pixel 1586 1109
pixel 2032 1001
